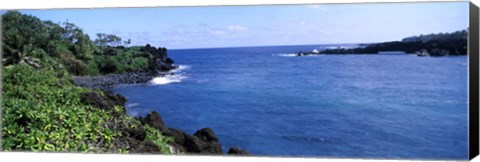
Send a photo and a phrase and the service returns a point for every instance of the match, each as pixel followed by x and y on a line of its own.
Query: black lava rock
pixel 154 120
pixel 178 135
pixel 139 133
pixel 192 144
pixel 203 141
pixel 237 151
pixel 107 101
pixel 206 134
pixel 147 147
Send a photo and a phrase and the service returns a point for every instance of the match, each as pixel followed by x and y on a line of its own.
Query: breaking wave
pixel 174 77
pixel 286 54
pixel 181 68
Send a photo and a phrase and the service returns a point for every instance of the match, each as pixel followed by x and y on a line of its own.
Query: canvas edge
pixel 80 4
pixel 473 52
pixel 473 68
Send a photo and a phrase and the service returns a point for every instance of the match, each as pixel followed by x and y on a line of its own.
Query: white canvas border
pixel 49 4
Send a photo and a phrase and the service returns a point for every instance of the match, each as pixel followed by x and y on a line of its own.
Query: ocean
pixel 270 103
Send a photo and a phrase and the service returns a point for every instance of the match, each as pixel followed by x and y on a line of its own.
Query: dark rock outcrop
pixel 160 61
pixel 204 141
pixel 106 101
pixel 138 133
pixel 198 145
pixel 237 151
pixel 132 138
pixel 209 141
pixel 192 144
pixel 145 146
pixel 154 120
pixel 178 139
pixel 206 134
pixel 178 135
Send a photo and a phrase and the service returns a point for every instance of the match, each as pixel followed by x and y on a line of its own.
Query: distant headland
pixel 440 44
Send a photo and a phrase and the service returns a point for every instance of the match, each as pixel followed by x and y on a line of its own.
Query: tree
pixel 114 40
pixel 55 38
pixel 127 43
pixel 22 34
pixel 104 40
pixel 101 40
pixel 77 42
pixel 70 31
pixel 84 47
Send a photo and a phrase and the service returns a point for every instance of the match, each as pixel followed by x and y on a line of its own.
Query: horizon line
pixel 259 46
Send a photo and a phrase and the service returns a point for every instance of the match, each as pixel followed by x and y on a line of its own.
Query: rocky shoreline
pixel 203 141
pixel 111 80
pixel 158 66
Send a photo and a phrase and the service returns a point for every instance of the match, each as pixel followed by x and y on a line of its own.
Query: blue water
pixel 350 106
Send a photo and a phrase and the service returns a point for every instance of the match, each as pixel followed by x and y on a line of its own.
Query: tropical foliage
pixel 27 40
pixel 42 109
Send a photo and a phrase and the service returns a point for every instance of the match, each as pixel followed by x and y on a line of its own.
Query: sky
pixel 240 26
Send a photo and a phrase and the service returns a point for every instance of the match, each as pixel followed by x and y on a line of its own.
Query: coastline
pixel 203 141
pixel 434 45
pixel 111 80
pixel 65 87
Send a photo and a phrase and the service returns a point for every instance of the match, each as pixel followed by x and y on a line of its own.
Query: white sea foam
pixel 175 76
pixel 316 55
pixel 286 54
pixel 131 105
pixel 336 47
pixel 181 68
pixel 167 79
pixel 295 55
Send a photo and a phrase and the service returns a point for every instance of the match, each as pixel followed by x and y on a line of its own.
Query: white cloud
pixel 177 33
pixel 237 28
pixel 303 23
pixel 216 31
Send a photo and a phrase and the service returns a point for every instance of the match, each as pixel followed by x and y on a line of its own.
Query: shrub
pixel 106 64
pixel 156 137
pixel 74 66
pixel 92 68
pixel 139 63
pixel 120 63
pixel 42 112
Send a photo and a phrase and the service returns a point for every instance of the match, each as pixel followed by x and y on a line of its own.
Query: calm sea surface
pixel 269 103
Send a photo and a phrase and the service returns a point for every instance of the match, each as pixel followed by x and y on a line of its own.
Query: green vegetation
pixel 156 137
pixel 42 109
pixel 457 35
pixel 28 40
pixel 441 44
pixel 43 112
